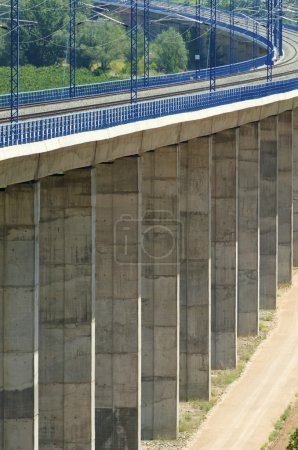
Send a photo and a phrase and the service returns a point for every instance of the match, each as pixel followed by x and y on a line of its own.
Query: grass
pixel 185 423
pixel 267 316
pixel 282 286
pixel 195 413
pixel 36 78
pixel 278 426
pixel 280 423
pixel 262 326
pixel 203 406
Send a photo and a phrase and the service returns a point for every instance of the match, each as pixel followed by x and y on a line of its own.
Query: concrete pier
pixel 66 357
pixel 195 270
pixel 295 187
pixel 118 305
pixel 160 293
pixel 248 230
pixel 268 212
pixel 19 207
pixel 285 197
pixel 224 249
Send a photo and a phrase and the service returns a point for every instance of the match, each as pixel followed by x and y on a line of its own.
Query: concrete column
pixel 268 212
pixel 295 187
pixel 248 230
pixel 118 305
pixel 160 294
pixel 285 197
pixel 224 249
pixel 66 370
pixel 195 270
pixel 19 215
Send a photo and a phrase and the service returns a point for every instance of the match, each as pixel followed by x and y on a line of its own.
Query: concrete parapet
pixel 224 249
pixel 195 269
pixel 160 293
pixel 248 230
pixel 268 212
pixel 118 305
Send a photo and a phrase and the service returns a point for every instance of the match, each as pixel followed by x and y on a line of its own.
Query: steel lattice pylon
pixel 269 7
pixel 280 26
pixel 72 48
pixel 198 38
pixel 133 51
pixel 212 44
pixel 232 31
pixel 146 41
pixel 254 44
pixel 275 22
pixel 255 29
pixel 14 63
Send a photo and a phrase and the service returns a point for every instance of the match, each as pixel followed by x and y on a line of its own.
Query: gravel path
pixel 245 416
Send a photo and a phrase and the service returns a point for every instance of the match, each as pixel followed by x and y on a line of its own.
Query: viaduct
pixel 131 258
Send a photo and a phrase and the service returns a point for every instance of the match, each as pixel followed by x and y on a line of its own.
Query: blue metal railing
pixel 53 127
pixel 290 26
pixel 109 87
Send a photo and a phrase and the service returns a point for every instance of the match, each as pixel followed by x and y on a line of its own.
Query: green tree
pixel 101 42
pixel 4 34
pixel 39 43
pixel 4 48
pixel 169 52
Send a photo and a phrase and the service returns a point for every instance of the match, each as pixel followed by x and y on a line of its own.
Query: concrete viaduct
pixel 131 258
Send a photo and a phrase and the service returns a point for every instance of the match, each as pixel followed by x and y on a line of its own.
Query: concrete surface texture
pixel 248 229
pixel 195 268
pixel 285 197
pixel 224 254
pixel 268 212
pixel 118 305
pixel 246 415
pixel 160 294
pixel 18 318
pixel 295 187
pixel 66 313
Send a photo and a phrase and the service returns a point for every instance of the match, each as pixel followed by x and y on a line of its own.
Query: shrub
pixel 293 442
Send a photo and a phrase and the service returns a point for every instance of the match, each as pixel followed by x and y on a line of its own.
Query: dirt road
pixel 244 418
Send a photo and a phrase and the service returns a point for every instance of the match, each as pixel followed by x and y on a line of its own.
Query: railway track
pixel 287 67
pixel 72 109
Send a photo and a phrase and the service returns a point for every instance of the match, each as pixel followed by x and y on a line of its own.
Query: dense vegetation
pixel 35 78
pixel 293 442
pixel 103 46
